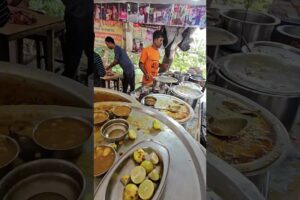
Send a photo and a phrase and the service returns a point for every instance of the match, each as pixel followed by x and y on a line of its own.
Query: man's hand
pixel 148 77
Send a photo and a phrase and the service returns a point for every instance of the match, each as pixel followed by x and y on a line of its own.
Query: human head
pixel 110 43
pixel 141 9
pixel 158 39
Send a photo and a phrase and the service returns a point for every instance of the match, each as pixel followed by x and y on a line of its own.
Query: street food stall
pixel 149 138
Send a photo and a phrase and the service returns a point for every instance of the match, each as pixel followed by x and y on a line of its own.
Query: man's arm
pixel 112 64
pixel 117 58
pixel 143 59
pixel 142 67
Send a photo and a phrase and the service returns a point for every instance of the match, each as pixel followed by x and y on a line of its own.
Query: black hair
pixel 109 40
pixel 157 34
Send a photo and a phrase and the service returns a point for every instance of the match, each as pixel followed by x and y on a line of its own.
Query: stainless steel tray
pixel 279 50
pixel 187 160
pixel 262 73
pixel 111 186
pixel 216 95
pixel 163 100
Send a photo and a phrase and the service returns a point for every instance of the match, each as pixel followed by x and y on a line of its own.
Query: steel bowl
pixel 121 116
pixel 44 178
pixel 69 152
pixel 288 34
pixel 115 159
pixel 256 26
pixel 197 79
pixel 7 166
pixel 99 123
pixel 191 100
pixel 150 100
pixel 218 37
pixel 112 125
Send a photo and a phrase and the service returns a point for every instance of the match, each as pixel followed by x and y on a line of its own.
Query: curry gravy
pixel 122 111
pixel 104 158
pixel 62 133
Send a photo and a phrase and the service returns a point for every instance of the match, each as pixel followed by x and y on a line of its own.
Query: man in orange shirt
pixel 149 60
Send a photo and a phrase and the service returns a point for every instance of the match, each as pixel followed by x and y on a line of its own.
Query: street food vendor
pixel 123 60
pixel 149 60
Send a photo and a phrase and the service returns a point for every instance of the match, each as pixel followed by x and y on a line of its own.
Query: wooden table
pixel 115 78
pixel 14 32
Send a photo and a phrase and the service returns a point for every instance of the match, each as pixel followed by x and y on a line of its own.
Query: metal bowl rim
pixel 58 117
pixel 224 13
pixel 107 123
pixel 281 29
pixel 17 152
pixel 52 160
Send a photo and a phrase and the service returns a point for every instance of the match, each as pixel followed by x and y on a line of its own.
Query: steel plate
pixel 163 100
pixel 111 186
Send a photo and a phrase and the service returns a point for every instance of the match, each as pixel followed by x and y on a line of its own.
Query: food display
pixel 144 155
pixel 143 178
pixel 171 106
pixel 242 134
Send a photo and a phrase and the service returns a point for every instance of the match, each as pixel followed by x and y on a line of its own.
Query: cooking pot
pixel 275 87
pixel 288 34
pixel 250 25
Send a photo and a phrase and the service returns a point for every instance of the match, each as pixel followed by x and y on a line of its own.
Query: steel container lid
pixel 262 73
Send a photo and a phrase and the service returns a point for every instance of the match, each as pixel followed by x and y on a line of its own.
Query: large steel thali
pixel 164 100
pixel 217 96
pixel 187 160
